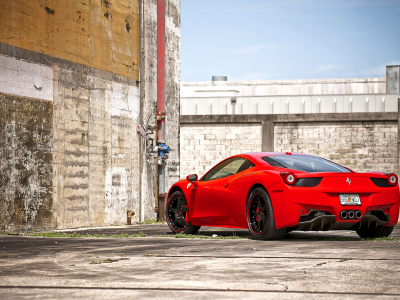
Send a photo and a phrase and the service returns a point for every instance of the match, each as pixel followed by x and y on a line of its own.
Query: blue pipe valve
pixel 163 149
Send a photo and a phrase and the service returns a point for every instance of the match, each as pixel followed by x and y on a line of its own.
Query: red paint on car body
pixel 222 202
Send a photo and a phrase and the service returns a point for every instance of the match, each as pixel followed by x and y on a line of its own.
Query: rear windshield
pixel 309 164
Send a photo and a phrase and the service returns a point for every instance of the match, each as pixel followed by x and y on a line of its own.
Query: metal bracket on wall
pixel 160 116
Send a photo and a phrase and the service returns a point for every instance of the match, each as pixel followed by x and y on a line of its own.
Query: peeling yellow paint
pixel 103 34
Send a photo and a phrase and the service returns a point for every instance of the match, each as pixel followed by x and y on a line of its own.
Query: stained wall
pixel 103 34
pixel 148 99
pixel 26 161
pixel 69 84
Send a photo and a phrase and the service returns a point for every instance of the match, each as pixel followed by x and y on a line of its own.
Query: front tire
pixel 177 214
pixel 379 231
pixel 260 217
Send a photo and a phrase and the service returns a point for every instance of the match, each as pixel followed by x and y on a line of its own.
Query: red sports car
pixel 274 193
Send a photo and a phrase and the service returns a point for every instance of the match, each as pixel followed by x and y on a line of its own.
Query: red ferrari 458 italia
pixel 274 193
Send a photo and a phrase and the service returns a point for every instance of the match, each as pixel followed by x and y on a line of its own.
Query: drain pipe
pixel 162 148
pixel 141 208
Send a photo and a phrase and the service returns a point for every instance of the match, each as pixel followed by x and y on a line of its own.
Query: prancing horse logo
pixel 348 180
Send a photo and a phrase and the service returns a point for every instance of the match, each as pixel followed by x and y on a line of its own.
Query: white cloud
pixel 255 48
pixel 377 71
pixel 327 67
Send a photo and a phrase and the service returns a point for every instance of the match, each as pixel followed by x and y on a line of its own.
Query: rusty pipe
pixel 161 69
pixel 129 215
pixel 160 167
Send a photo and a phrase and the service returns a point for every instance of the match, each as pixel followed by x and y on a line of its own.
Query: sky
pixel 288 39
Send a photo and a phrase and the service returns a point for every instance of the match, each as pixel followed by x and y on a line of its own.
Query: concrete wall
pixel 26 160
pixel 172 91
pixel 96 150
pixel 393 79
pixel 74 140
pixel 149 96
pixel 361 146
pixel 97 33
pixel 361 141
pixel 204 145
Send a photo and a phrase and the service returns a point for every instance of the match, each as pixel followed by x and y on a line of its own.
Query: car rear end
pixel 356 198
pixel 332 200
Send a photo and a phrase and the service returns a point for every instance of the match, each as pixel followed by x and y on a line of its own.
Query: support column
pixel 148 94
pixel 267 133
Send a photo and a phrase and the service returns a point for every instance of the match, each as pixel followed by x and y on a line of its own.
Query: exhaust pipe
pixel 358 214
pixel 351 214
pixel 343 215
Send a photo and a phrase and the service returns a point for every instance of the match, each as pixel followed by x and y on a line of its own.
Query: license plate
pixel 350 199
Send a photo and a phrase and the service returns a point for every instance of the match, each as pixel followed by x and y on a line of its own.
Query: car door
pixel 209 201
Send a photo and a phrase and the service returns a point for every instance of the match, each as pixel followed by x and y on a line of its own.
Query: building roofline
pixel 286 82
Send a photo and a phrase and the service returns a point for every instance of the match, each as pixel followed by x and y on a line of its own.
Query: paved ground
pixel 301 266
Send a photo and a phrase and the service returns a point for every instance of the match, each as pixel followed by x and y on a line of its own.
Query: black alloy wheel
pixel 260 216
pixel 257 214
pixel 177 214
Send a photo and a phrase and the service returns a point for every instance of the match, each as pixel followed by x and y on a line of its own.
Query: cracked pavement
pixel 303 265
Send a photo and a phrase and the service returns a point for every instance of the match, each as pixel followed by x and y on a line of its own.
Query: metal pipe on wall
pixel 140 108
pixel 161 68
pixel 161 143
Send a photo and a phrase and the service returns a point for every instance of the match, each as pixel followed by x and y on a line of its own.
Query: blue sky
pixel 288 39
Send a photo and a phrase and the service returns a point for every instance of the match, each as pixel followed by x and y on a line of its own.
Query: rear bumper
pixel 325 223
pixel 288 203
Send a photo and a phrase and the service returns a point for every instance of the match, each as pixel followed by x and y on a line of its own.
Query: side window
pixel 246 165
pixel 227 168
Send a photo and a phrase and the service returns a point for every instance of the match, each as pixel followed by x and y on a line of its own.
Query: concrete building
pixel 353 122
pixel 76 80
pixel 291 96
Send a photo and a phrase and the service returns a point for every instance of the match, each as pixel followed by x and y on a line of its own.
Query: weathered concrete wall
pixel 204 145
pixel 26 160
pixel 96 154
pixel 103 34
pixel 63 51
pixel 26 79
pixel 149 96
pixel 172 90
pixel 361 146
pixel 83 56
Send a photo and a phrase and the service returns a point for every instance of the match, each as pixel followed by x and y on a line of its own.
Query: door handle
pixel 226 185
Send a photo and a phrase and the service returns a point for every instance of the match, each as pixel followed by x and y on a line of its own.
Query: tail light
pixel 386 210
pixel 305 211
pixel 288 177
pixel 392 178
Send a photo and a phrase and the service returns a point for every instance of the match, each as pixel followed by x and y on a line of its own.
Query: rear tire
pixel 379 231
pixel 177 214
pixel 260 217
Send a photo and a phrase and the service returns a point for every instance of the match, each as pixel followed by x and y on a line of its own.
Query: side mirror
pixel 192 178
